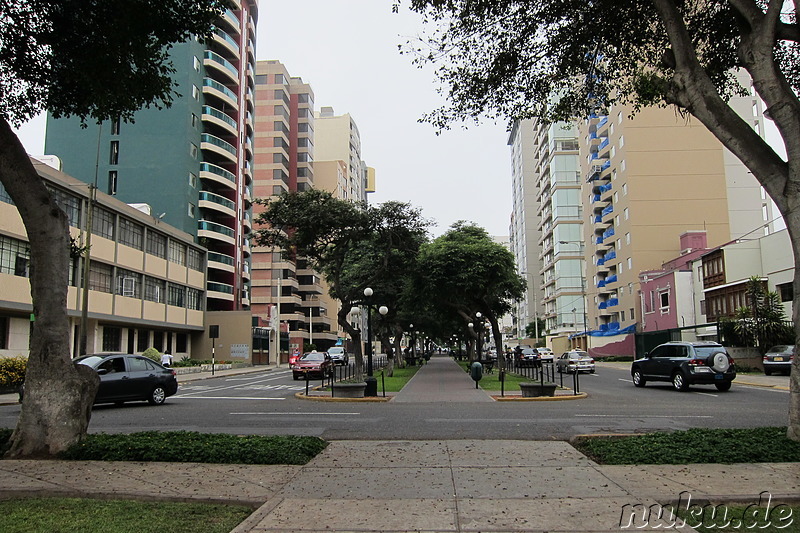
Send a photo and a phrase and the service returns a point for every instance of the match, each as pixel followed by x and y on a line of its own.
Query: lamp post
pixel 372 384
pixel 479 332
pixel 413 342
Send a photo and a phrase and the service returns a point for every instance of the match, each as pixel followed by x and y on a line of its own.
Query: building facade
pixel 192 162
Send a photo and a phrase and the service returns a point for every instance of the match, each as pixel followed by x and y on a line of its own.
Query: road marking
pixel 299 414
pixel 645 416
pixel 212 388
pixel 707 394
pixel 223 398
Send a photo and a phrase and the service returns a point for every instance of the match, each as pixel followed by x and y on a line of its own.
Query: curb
pixel 563 397
pixel 376 399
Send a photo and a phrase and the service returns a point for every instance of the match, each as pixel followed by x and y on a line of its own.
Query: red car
pixel 313 364
pixel 293 359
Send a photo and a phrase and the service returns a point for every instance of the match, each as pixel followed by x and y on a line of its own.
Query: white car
pixel 575 361
pixel 338 355
pixel 545 355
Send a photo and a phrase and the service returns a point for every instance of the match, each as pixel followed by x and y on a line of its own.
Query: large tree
pixel 96 60
pixel 354 246
pixel 511 57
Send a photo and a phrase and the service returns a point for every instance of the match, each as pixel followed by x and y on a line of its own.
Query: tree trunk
pixel 792 219
pixel 498 342
pixel 398 351
pixel 57 405
pixel 355 335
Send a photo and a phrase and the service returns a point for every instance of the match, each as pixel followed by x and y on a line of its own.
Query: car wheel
pixel 591 371
pixel 638 378
pixel 679 382
pixel 767 372
pixel 722 387
pixel 295 377
pixel 158 396
pixel 719 361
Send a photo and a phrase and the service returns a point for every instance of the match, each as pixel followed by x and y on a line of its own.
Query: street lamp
pixel 413 342
pixel 372 384
pixel 479 332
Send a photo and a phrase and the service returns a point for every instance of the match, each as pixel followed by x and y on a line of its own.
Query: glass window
pixel 4 196
pixel 112 339
pixel 193 180
pixel 71 205
pixel 261 79
pixel 193 150
pixel 15 256
pixel 130 233
pixel 190 210
pixel 129 283
pixel 177 252
pixel 154 289
pixel 100 277
pixel 181 342
pixel 280 78
pixel 194 300
pixel 142 340
pixel 176 295
pixel 115 126
pixel 102 223
pixel 302 98
pixel 194 259
pixel 113 156
pixel 112 182
pixel 158 340
pixel 156 244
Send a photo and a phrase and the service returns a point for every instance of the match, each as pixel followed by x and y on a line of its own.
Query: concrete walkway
pixel 436 486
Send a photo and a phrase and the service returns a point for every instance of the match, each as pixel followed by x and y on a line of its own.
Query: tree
pixel 510 57
pixel 353 245
pixel 465 272
pixel 533 327
pixel 96 60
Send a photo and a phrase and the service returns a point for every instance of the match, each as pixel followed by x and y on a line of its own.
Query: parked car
pixel 685 364
pixel 778 359
pixel 545 355
pixel 313 364
pixel 575 361
pixel 528 357
pixel 338 355
pixel 127 378
pixel 293 359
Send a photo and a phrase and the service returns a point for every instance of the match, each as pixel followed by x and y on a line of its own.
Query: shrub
pixel 153 354
pixel 12 371
pixel 194 447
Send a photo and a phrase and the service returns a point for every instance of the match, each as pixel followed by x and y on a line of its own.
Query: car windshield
pixel 335 350
pixel 89 360
pixel 313 357
pixel 528 351
pixel 577 355
pixel 779 349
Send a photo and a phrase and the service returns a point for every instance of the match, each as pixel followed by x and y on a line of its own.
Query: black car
pixel 127 378
pixel 685 364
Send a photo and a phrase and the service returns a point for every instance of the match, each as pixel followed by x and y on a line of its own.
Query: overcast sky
pixel 348 51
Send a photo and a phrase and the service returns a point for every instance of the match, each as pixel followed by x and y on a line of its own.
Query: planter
pixel 533 390
pixel 349 390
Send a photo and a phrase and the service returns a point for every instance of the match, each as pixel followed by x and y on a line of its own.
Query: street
pixel 263 403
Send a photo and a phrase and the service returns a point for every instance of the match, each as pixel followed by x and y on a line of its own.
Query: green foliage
pixel 530 329
pixel 76 515
pixel 152 353
pixel 12 371
pixel 750 445
pixel 193 447
pixel 399 378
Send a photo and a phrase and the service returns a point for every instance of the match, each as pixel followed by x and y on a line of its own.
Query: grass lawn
pixel 399 378
pixel 77 515
pixel 491 382
pixel 699 445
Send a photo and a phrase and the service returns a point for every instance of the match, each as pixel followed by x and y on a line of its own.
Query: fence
pixel 346 372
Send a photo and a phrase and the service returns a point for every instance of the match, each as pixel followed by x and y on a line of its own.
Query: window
pixel 154 290
pixel 630 311
pixel 115 126
pixel 100 277
pixel 621 141
pixel 630 263
pixel 194 120
pixel 130 233
pixel 181 342
pixel 622 166
pixel 4 196
pixel 112 340
pixel 129 283
pixel 277 190
pixel 193 150
pixel 194 259
pixel 3 332
pixel 261 79
pixel 196 63
pixel 71 205
pixel 303 157
pixel 176 295
pixel 156 244
pixel 624 189
pixel 192 180
pixel 303 127
pixel 280 78
pixel 622 316
pixel 625 212
pixel 786 290
pixel 664 300
pixel 102 223
pixel 195 93
pixel 190 210
pixel 177 252
pixel 302 172
pixel 194 300
pixel 113 156
pixel 142 340
pixel 112 182
pixel 14 256
pixel 302 98
pixel 158 340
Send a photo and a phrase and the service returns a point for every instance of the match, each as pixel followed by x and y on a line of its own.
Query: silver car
pixel 778 359
pixel 338 355
pixel 575 361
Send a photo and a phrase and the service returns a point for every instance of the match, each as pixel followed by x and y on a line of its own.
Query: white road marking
pixel 299 414
pixel 645 416
pixel 222 398
pixel 212 388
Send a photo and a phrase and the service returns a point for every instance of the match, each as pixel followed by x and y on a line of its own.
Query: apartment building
pixel 649 179
pixel 146 279
pixel 192 162
pixel 285 291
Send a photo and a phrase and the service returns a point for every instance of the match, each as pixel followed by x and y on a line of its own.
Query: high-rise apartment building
pixel 649 179
pixel 283 286
pixel 191 163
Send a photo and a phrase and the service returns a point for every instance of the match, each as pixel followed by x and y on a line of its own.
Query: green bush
pixel 194 447
pixel 699 445
pixel 153 354
pixel 12 371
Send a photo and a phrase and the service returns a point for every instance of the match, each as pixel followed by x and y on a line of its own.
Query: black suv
pixel 684 364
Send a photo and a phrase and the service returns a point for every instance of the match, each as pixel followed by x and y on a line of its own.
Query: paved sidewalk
pixel 441 380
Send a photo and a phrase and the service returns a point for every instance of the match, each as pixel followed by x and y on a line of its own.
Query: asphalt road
pixel 263 403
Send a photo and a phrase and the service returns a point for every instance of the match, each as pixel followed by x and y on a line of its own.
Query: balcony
pixel 209 200
pixel 219 291
pixel 217 89
pixel 607 211
pixel 217 117
pixel 217 174
pixel 232 20
pixel 226 41
pixel 214 231
pixel 214 144
pixel 247 223
pixel 220 64
pixel 221 262
pixel 246 248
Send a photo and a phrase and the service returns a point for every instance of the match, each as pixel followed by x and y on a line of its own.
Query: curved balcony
pixel 246 248
pixel 248 147
pixel 217 117
pixel 209 200
pixel 248 173
pixel 220 64
pixel 232 21
pixel 220 91
pixel 219 291
pixel 247 223
pixel 217 174
pixel 226 41
pixel 220 261
pixel 212 143
pixel 246 272
pixel 217 232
